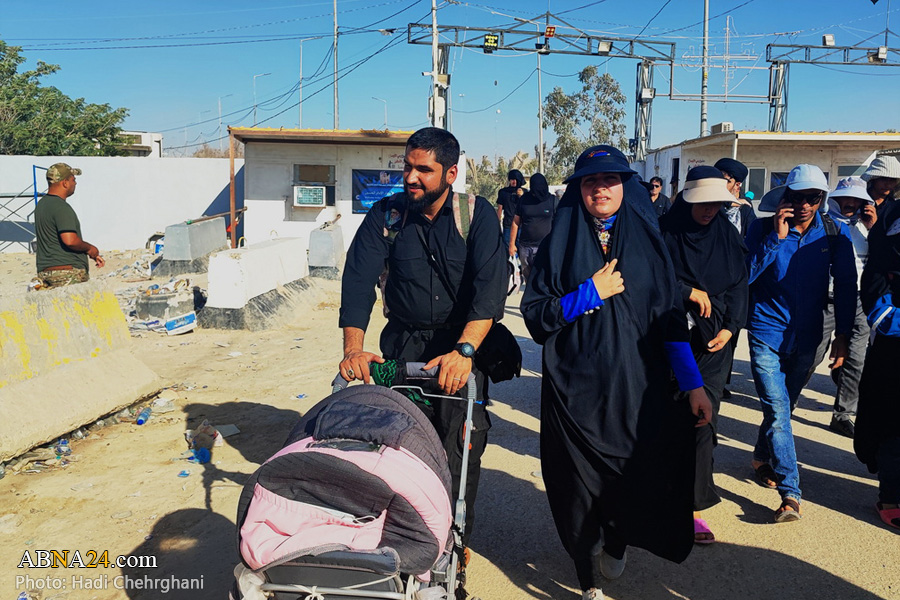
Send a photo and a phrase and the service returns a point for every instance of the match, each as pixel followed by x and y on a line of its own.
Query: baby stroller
pixel 356 505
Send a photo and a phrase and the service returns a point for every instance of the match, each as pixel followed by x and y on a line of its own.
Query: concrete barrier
pixel 253 287
pixel 65 361
pixel 188 246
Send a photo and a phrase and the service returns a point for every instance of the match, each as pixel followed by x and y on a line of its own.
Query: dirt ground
pixel 122 493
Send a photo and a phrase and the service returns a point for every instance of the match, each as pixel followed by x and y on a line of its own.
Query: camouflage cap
pixel 60 172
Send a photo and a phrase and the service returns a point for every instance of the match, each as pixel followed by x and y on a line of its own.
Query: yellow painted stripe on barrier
pixel 48 332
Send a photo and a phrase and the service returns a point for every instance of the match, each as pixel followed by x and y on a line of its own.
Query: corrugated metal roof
pixel 321 136
pixel 797 136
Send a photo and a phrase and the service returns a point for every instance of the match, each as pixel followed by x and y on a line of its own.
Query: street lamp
pixel 200 121
pixel 220 120
pixel 385 110
pixel 254 95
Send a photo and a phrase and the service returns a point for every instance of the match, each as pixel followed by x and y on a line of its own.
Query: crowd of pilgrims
pixel 639 300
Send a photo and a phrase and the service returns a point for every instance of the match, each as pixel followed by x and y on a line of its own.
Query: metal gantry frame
pixel 520 39
pixel 650 54
pixel 782 55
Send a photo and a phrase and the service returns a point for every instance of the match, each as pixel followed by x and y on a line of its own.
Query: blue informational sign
pixel 371 185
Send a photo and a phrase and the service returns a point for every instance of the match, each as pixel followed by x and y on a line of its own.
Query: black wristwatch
pixel 466 349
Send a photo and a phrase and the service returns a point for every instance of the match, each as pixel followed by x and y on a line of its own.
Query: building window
pixel 780 178
pixel 777 178
pixel 756 182
pixel 676 166
pixel 316 175
pixel 851 170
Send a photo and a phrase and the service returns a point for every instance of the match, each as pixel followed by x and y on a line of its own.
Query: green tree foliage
pixel 590 116
pixel 485 179
pixel 42 121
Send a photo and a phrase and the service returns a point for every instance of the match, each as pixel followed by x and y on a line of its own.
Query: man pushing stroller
pixel 445 285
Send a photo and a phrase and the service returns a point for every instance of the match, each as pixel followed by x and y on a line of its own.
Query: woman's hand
pixel 701 299
pixel 700 406
pixel 720 341
pixel 608 281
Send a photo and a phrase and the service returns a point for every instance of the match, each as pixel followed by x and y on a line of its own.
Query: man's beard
pixel 427 199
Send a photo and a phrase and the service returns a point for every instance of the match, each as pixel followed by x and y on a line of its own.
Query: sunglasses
pixel 656 185
pixel 798 198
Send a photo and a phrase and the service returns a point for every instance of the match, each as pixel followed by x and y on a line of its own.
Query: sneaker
pixel 592 594
pixel 612 568
pixel 844 427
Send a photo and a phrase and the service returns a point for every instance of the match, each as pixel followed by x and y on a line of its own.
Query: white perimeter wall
pixel 269 173
pixel 122 201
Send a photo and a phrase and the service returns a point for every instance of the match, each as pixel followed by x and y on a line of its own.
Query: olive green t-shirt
pixel 52 217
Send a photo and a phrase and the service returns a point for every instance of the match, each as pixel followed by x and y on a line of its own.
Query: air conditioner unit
pixel 722 127
pixel 309 195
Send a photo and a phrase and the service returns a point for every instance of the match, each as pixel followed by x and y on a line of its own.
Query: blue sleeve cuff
pixel 884 318
pixel 771 241
pixel 682 360
pixel 585 298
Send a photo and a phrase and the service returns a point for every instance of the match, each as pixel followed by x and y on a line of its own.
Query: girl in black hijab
pixel 708 256
pixel 534 217
pixel 617 448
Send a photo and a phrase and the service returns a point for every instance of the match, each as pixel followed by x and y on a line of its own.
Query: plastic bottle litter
pixel 200 456
pixel 2 470
pixel 144 416
pixel 79 434
pixel 62 448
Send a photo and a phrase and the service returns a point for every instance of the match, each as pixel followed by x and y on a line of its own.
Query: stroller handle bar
pixel 414 370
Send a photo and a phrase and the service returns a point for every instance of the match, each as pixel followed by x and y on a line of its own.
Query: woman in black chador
pixel 877 439
pixel 534 217
pixel 617 447
pixel 708 255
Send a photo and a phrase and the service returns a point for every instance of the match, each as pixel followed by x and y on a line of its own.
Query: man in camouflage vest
pixel 62 255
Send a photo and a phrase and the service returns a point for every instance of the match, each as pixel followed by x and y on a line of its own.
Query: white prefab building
pixel 296 180
pixel 768 155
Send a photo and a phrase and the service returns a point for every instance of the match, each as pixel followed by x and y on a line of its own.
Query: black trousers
pixel 399 341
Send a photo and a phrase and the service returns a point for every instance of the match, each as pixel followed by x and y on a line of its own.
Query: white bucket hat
pixel 801 177
pixel 701 191
pixel 882 166
pixel 854 187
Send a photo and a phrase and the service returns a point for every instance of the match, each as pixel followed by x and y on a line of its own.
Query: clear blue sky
pixel 171 62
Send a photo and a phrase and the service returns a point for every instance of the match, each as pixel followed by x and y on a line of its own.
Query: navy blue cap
pixel 704 172
pixel 600 159
pixel 735 168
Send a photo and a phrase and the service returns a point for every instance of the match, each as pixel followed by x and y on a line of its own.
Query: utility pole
pixel 437 115
pixel 220 120
pixel 541 100
pixel 200 123
pixel 704 125
pixel 254 95
pixel 385 110
pixel 300 91
pixel 337 122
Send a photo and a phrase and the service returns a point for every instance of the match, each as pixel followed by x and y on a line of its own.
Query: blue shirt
pixel 789 284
